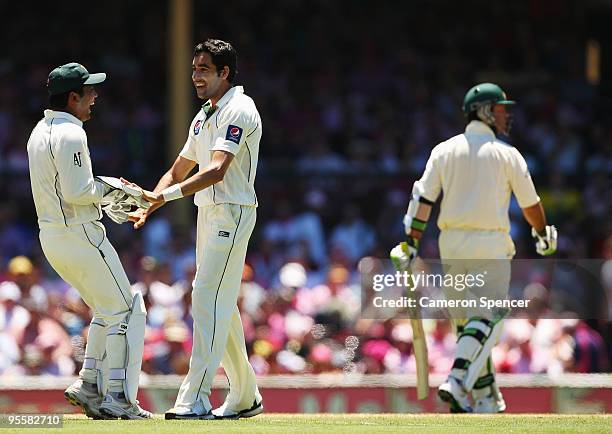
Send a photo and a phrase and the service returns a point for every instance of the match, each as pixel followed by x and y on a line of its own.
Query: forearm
pixel 207 176
pixel 535 216
pixel 415 223
pixel 166 181
pixel 201 180
pixel 417 215
pixel 419 222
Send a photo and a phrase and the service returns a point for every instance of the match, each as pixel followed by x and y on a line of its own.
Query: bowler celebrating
pixel 223 140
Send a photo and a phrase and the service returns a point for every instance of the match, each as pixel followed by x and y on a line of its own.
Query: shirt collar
pixel 227 96
pixel 479 128
pixel 52 114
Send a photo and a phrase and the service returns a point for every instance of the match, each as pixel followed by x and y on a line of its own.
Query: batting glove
pixel 546 242
pixel 404 254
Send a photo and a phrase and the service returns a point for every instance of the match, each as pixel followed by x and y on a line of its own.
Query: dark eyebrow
pixel 202 65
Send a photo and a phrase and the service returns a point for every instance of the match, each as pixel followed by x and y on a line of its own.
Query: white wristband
pixel 172 193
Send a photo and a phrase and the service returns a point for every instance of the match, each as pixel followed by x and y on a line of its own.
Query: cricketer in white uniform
pixel 67 200
pixel 477 173
pixel 224 142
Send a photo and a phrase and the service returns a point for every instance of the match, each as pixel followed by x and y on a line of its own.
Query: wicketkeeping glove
pixel 546 242
pixel 116 191
pixel 404 254
pixel 117 212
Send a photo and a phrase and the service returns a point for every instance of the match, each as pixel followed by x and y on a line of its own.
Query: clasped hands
pixel 121 196
pixel 140 215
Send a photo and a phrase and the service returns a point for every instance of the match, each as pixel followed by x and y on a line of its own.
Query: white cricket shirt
pixel 235 127
pixel 477 172
pixel 63 186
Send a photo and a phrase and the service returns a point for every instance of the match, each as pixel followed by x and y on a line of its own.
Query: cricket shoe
pixel 452 392
pixel 85 395
pixel 115 406
pixel 493 403
pixel 186 413
pixel 224 412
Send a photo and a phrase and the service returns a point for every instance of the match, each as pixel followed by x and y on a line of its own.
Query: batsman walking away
pixel 69 203
pixel 223 140
pixel 477 172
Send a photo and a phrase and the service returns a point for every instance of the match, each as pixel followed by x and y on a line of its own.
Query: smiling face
pixel 80 106
pixel 209 82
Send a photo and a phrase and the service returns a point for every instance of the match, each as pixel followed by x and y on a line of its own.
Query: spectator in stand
pixel 321 159
pixel 309 227
pixel 168 348
pixel 334 296
pixel 162 300
pixel 13 318
pixel 516 349
pixel 589 350
pixel 157 236
pixel 13 321
pixel 21 271
pixel 353 237
pixel 46 345
pixel 252 294
pixel 441 347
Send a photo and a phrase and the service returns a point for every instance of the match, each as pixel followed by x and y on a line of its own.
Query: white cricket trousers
pixel 471 252
pixel 224 231
pixel 85 259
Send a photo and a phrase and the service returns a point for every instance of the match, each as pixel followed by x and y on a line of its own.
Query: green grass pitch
pixel 350 423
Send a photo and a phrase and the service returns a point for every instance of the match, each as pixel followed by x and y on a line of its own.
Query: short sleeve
pixel 234 126
pixel 188 150
pixel 521 182
pixel 431 183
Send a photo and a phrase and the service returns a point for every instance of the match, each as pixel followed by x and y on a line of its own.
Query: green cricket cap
pixel 71 76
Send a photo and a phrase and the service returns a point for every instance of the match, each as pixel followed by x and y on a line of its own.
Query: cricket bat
pixel 419 346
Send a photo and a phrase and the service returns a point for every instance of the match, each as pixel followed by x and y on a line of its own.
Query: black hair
pixel 222 54
pixel 59 102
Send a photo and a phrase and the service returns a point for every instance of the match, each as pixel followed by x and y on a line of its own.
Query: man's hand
pixel 116 191
pixel 139 217
pixel 404 254
pixel 546 241
pixel 154 198
pixel 149 196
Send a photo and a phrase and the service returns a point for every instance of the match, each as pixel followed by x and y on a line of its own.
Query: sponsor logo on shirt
pixel 77 159
pixel 197 126
pixel 234 134
pixel 225 234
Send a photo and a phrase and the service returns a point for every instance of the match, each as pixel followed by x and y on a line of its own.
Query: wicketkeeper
pixel 69 203
pixel 477 173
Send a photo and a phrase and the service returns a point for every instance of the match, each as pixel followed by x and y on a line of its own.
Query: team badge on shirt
pixel 196 127
pixel 234 134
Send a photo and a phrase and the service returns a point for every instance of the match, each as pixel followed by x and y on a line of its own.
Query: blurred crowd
pixel 291 327
pixel 351 111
